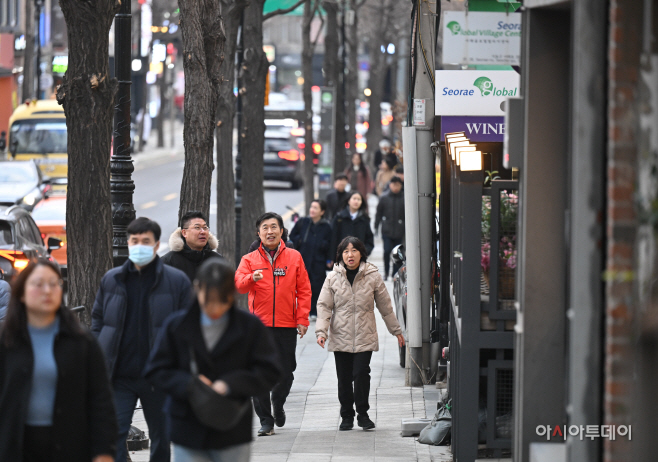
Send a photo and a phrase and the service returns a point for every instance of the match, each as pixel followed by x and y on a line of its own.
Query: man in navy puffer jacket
pixel 130 309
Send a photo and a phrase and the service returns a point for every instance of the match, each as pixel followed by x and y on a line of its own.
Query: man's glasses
pixel 199 228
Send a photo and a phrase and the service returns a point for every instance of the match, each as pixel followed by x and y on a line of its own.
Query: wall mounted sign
pixel 474 93
pixel 476 129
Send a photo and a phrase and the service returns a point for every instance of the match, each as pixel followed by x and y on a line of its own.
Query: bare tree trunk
pixel 352 76
pixel 28 57
pixel 162 86
pixel 253 74
pixel 231 11
pixel 307 72
pixel 87 95
pixel 376 85
pixel 332 78
pixel 203 43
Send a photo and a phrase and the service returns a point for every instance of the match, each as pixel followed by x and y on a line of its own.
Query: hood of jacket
pixel 177 242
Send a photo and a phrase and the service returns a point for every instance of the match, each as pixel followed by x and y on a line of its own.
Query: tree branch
pixel 317 37
pixel 271 14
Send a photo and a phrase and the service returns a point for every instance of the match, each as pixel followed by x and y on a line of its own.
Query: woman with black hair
pixel 358 175
pixel 346 317
pixel 218 345
pixel 55 398
pixel 353 220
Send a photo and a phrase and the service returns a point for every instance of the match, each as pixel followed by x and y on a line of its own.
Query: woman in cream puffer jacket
pixel 346 317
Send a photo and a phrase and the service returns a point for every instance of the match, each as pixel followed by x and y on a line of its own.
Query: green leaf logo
pixel 454 27
pixel 484 84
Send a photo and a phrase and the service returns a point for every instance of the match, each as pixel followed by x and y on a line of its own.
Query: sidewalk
pixel 311 431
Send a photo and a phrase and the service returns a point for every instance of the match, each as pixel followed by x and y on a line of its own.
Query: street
pixel 158 175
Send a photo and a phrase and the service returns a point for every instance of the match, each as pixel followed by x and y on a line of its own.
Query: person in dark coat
pixel 55 397
pixel 337 197
pixel 353 220
pixel 235 356
pixel 312 238
pixel 390 214
pixel 191 244
pixel 131 306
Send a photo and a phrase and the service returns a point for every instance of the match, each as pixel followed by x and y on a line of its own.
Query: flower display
pixel 509 204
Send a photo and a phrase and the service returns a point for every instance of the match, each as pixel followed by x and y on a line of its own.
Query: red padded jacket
pixel 283 297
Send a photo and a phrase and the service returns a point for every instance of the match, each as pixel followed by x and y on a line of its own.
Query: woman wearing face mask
pixel 359 176
pixel 55 398
pixel 353 220
pixel 312 238
pixel 234 355
pixel 346 316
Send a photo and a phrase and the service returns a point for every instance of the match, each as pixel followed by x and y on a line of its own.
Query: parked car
pixel 50 216
pixel 22 183
pixel 21 241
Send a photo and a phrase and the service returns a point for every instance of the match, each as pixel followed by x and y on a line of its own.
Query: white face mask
pixel 141 255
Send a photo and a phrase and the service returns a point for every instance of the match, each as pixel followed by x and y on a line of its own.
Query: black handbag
pixel 218 412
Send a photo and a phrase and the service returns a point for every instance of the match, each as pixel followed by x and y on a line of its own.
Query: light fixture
pixel 460 150
pixel 471 161
pixel 455 144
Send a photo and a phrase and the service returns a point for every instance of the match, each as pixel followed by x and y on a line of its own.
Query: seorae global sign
pixel 473 93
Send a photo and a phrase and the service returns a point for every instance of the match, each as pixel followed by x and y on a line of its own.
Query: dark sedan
pixel 22 183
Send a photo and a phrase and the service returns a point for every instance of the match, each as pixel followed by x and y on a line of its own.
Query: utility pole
pixel 30 45
pixel 38 4
pixel 419 201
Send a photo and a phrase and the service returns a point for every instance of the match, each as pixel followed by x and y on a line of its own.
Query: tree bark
pixel 87 95
pixel 253 74
pixel 203 43
pixel 232 12
pixel 352 76
pixel 28 57
pixel 333 78
pixel 307 72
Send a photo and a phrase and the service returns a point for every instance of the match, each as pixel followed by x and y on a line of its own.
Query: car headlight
pixel 30 199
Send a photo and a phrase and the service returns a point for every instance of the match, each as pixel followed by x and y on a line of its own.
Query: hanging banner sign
pixel 481 38
pixel 475 128
pixel 474 93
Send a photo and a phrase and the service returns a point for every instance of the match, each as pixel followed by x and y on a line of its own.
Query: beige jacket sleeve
pixel 384 306
pixel 325 308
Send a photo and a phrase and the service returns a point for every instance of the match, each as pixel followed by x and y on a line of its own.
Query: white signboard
pixel 474 93
pixel 419 112
pixel 481 38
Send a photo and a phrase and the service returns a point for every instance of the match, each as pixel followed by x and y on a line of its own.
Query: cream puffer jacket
pixel 346 313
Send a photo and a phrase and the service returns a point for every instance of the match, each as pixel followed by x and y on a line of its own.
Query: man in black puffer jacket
pixel 191 245
pixel 390 214
pixel 132 304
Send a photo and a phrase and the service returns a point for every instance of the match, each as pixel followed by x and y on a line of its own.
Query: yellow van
pixel 37 130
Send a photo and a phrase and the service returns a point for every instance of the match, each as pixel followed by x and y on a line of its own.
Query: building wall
pixel 624 50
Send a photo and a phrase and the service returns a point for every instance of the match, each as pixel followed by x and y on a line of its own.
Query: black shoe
pixel 279 416
pixel 346 424
pixel 364 422
pixel 266 430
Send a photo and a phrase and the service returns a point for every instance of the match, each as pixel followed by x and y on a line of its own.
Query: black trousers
pixel 285 339
pixel 389 245
pixel 38 444
pixel 353 371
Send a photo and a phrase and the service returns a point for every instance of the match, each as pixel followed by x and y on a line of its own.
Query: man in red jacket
pixel 280 295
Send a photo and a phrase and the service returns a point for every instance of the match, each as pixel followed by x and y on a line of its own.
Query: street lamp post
pixel 38 4
pixel 122 186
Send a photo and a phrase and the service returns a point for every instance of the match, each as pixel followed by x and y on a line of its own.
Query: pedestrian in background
pixel 337 197
pixel 380 154
pixel 5 295
pixel 55 397
pixel 346 318
pixel 234 354
pixel 132 304
pixel 280 295
pixel 191 244
pixel 312 238
pixel 384 175
pixel 358 176
pixel 390 214
pixel 353 220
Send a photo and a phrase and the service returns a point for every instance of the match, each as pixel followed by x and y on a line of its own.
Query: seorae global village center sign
pixel 474 93
pixel 502 29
